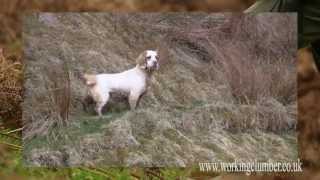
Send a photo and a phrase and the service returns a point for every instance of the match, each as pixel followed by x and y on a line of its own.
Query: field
pixel 11 92
pixel 225 82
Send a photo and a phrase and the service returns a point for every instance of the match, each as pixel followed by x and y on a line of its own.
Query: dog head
pixel 148 60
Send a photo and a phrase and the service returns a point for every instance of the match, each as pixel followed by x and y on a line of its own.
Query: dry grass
pixel 10 31
pixel 53 104
pixel 257 73
pixel 215 80
pixel 257 63
pixel 13 6
pixel 10 89
pixel 10 34
pixel 253 65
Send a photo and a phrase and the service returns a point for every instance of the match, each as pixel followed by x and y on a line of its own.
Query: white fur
pixel 132 81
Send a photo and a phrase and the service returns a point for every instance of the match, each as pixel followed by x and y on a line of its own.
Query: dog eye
pixel 148 57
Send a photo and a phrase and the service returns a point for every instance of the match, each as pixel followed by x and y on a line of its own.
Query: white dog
pixel 134 81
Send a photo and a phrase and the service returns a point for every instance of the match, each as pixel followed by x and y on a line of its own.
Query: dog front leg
pixel 133 99
pixel 99 107
pixel 100 104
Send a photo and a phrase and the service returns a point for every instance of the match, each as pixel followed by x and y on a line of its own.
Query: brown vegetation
pixel 223 74
pixel 10 89
pixel 309 109
pixel 10 39
pixel 13 10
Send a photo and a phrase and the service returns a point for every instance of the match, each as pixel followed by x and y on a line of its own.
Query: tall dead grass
pixel 253 79
pixel 10 89
pixel 52 105
pixel 10 33
pixel 257 63
pixel 253 58
pixel 264 63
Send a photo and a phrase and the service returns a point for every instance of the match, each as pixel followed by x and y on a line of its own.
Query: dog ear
pixel 141 60
pixel 89 79
pixel 158 52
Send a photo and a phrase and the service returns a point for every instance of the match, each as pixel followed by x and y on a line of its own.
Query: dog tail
pixel 89 79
